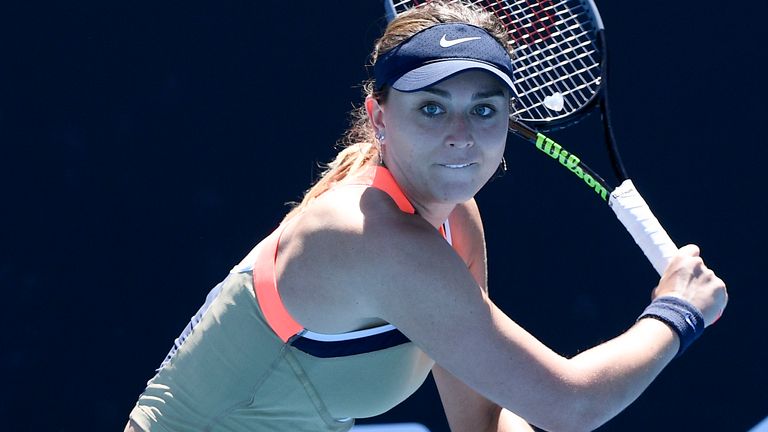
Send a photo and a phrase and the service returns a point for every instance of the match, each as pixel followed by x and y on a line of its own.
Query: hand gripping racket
pixel 560 74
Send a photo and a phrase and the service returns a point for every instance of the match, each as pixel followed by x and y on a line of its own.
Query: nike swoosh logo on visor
pixel 445 43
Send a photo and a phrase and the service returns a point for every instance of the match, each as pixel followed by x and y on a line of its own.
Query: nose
pixel 459 133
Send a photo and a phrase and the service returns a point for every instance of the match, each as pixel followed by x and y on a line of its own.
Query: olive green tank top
pixel 243 364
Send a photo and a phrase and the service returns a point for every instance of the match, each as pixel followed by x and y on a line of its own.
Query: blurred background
pixel 145 147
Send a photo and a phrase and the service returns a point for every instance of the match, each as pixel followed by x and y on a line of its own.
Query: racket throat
pixel 573 164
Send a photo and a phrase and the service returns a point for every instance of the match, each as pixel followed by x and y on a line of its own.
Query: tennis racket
pixel 560 73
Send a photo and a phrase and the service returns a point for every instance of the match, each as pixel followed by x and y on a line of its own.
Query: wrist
pixel 681 316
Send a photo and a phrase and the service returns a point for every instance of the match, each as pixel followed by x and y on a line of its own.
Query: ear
pixel 375 114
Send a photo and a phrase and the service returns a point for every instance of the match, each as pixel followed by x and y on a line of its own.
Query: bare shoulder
pixel 357 261
pixel 345 246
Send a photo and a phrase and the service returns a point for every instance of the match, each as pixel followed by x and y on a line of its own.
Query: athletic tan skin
pixel 442 145
pixel 415 281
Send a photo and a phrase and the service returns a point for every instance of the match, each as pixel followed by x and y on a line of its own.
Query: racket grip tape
pixel 633 212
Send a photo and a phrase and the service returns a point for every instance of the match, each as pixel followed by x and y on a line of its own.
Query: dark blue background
pixel 146 146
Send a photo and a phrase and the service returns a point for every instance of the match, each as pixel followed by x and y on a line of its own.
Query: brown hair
pixel 358 143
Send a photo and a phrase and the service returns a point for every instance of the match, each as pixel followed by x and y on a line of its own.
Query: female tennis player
pixel 378 277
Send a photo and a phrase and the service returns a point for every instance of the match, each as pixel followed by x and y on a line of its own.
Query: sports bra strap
pixel 264 279
pixel 380 178
pixel 265 285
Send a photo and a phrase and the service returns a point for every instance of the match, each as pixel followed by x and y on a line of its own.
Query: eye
pixel 483 111
pixel 431 109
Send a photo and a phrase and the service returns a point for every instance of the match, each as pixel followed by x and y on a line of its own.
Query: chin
pixel 457 192
pixel 461 186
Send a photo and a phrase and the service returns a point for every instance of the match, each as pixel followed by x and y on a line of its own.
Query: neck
pixel 435 214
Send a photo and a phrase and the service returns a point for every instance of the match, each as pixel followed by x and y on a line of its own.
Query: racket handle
pixel 633 212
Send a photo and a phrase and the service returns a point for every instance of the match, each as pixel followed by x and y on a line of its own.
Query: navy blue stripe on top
pixel 327 346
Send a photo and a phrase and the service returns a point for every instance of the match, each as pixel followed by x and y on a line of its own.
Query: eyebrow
pixel 478 95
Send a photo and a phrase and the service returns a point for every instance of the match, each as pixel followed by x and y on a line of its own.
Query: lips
pixel 457 165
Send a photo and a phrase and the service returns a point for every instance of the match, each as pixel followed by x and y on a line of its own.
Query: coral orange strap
pixel 265 285
pixel 264 282
pixel 381 178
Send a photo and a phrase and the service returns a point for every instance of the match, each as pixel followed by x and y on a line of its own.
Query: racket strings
pixel 555 53
pixel 566 63
pixel 556 67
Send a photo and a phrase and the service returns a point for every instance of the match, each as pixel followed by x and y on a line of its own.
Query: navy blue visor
pixel 439 52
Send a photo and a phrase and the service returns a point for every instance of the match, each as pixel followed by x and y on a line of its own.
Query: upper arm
pixel 465 409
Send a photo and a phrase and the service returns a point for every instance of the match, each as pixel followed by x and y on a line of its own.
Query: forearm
pixel 612 375
pixel 602 381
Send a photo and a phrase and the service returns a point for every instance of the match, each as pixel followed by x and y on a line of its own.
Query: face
pixel 443 143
